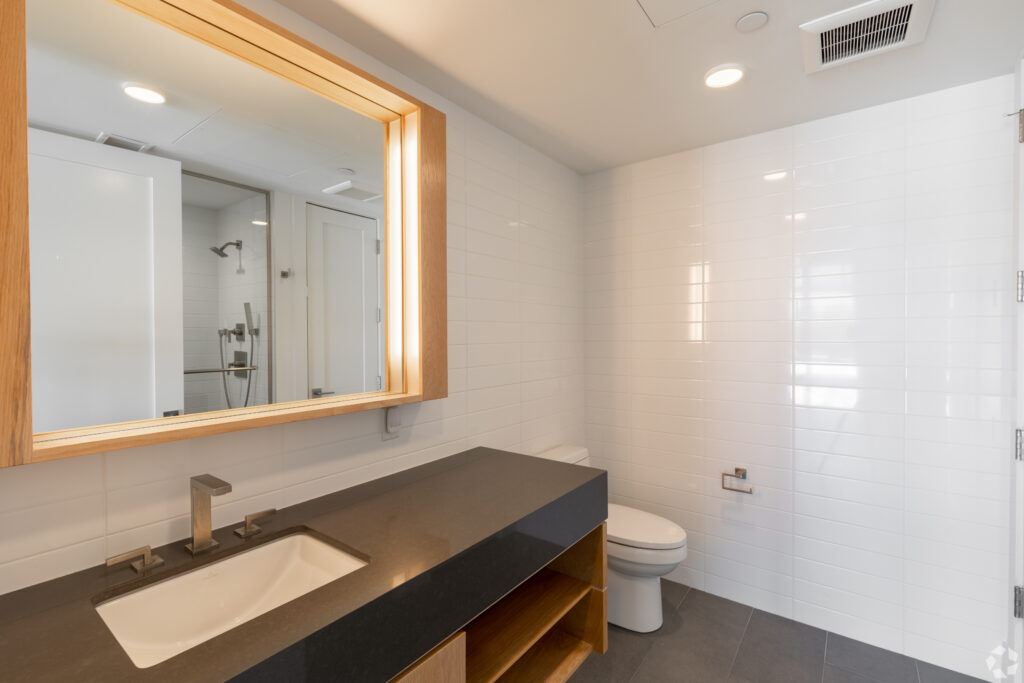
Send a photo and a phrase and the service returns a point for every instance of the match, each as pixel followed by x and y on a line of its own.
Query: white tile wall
pixel 515 374
pixel 201 308
pixel 234 289
pixel 829 306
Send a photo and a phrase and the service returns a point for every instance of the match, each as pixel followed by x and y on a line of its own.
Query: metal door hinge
pixel 1018 602
pixel 1018 445
pixel 378 246
pixel 380 382
pixel 1020 286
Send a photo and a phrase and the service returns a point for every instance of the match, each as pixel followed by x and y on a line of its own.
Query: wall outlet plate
pixel 392 423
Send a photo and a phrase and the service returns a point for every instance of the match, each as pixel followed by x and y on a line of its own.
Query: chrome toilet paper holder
pixel 738 473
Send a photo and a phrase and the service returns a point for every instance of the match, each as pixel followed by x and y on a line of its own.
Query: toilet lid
pixel 639 529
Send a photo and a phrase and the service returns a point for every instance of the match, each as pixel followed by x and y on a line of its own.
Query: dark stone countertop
pixel 444 541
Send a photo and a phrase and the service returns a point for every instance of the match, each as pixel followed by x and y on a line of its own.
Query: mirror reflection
pixel 204 234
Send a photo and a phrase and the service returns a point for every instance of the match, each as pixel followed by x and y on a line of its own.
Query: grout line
pixel 794 472
pixel 824 657
pixel 917 670
pixel 739 645
pixel 906 441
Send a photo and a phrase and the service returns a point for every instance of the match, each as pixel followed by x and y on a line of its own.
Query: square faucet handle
pixel 144 559
pixel 207 483
pixel 250 528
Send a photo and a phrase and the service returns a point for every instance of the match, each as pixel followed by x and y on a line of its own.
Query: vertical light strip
pixel 411 228
pixel 393 258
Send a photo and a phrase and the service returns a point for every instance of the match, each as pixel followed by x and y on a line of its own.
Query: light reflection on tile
pixel 855 352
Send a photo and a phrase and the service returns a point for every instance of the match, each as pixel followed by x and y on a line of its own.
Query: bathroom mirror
pixel 227 226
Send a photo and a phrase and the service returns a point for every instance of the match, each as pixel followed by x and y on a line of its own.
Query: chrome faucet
pixel 204 486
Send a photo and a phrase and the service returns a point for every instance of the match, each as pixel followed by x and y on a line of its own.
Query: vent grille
pixel 866 35
pixel 865 30
pixel 122 142
pixel 359 193
pixel 347 188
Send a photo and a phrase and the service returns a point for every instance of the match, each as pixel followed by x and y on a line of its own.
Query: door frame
pixel 1016 561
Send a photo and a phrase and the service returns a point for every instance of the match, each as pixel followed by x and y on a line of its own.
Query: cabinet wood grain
pixel 446 663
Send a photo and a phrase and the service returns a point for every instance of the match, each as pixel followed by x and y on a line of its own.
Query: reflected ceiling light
pixel 260 223
pixel 143 94
pixel 775 175
pixel 723 75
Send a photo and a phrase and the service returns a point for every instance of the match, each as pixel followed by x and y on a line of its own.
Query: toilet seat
pixel 647 556
pixel 641 530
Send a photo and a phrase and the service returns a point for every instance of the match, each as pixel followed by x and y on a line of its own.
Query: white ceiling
pixel 596 85
pixel 223 117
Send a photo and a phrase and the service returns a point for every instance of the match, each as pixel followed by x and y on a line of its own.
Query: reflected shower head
pixel 219 251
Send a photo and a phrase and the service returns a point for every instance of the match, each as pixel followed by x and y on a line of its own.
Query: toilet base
pixel 634 602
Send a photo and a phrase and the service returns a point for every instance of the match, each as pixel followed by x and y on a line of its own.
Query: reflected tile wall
pixel 828 305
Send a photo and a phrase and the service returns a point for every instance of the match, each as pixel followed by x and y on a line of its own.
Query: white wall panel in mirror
pixel 106 282
pixel 216 249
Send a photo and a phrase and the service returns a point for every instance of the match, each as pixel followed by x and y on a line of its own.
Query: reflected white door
pixel 344 302
pixel 105 238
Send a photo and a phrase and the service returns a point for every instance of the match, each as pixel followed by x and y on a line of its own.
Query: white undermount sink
pixel 159 621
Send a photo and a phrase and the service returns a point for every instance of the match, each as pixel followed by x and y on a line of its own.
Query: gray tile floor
pixel 706 639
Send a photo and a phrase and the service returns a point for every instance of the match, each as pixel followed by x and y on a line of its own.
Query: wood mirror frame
pixel 417 358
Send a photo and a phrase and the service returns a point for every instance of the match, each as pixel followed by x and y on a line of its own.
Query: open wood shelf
pixel 505 632
pixel 552 658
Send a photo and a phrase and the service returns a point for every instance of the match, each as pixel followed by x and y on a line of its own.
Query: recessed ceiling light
pixel 749 23
pixel 775 175
pixel 260 223
pixel 143 94
pixel 723 75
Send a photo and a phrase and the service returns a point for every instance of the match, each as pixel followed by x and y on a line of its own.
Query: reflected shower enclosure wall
pixel 225 233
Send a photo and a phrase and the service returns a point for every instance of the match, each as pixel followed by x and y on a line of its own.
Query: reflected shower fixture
pixel 219 251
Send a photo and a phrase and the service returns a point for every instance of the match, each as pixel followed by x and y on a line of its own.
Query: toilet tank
pixel 577 455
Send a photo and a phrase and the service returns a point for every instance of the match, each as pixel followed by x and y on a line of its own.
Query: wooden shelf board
pixel 502 634
pixel 552 659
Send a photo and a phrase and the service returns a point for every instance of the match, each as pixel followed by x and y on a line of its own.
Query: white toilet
pixel 641 549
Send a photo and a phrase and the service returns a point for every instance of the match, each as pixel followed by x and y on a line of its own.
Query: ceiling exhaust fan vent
pixel 347 188
pixel 864 30
pixel 122 142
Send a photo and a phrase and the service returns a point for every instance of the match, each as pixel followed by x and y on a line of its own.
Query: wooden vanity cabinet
pixel 446 663
pixel 541 631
